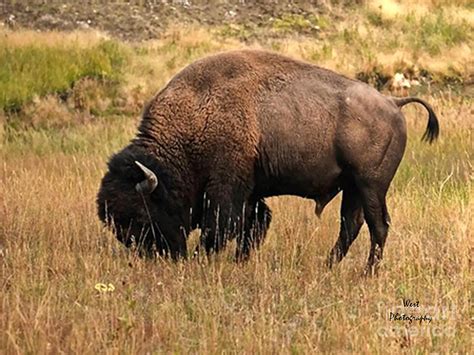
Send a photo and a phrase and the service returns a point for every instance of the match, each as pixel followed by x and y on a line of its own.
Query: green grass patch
pixel 35 70
pixel 434 32
pixel 243 32
pixel 375 18
pixel 298 23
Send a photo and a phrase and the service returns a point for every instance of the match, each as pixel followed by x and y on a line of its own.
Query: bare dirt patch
pixel 149 19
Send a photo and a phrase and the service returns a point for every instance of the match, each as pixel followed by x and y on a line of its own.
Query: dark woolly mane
pixel 123 164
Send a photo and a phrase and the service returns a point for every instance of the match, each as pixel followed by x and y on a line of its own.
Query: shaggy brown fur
pixel 234 128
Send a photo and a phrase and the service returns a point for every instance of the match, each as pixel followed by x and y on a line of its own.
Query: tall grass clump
pixel 33 70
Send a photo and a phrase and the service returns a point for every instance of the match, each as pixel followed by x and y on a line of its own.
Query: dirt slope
pixel 141 20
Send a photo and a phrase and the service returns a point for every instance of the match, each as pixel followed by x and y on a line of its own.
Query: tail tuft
pixel 432 129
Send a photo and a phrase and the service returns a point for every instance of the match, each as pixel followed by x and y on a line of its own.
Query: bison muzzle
pixel 230 130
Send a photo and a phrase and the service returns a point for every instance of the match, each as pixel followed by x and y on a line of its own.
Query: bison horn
pixel 148 185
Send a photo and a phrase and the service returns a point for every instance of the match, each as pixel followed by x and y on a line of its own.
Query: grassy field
pixel 57 133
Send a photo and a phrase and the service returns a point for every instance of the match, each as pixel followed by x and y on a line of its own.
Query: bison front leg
pixel 215 231
pixel 220 220
pixel 351 222
pixel 256 224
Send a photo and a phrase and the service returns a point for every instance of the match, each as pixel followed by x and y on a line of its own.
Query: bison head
pixel 134 201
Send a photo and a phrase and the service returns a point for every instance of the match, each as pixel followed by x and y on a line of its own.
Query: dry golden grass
pixel 26 38
pixel 393 9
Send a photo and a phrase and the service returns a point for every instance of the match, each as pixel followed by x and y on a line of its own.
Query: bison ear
pixel 150 183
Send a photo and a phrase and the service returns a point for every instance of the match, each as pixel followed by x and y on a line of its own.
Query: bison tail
pixel 432 129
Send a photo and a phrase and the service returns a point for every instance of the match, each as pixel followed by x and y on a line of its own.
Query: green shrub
pixel 435 32
pixel 35 70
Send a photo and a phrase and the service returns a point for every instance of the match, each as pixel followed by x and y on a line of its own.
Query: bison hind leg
pixel 378 220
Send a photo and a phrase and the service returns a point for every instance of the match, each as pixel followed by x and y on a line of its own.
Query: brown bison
pixel 230 130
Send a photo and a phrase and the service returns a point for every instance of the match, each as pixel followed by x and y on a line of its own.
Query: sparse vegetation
pixel 68 100
pixel 291 23
pixel 435 32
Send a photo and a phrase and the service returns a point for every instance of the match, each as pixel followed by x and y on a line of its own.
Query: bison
pixel 234 128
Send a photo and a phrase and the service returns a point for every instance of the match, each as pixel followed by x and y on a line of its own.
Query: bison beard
pixel 232 129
